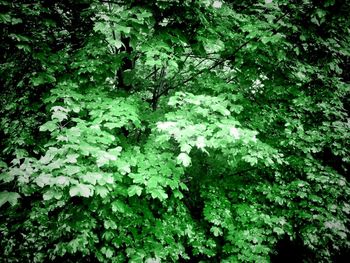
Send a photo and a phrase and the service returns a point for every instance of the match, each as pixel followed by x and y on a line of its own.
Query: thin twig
pixel 231 57
pixel 153 72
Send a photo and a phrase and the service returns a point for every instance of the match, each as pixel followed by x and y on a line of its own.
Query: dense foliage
pixel 174 131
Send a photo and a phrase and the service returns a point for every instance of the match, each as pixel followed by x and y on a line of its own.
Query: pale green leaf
pixel 134 190
pixel 184 159
pixel 102 191
pixel 59 115
pixel 11 197
pixel 61 180
pixel 91 177
pixel 70 169
pixel 81 190
pixel 48 195
pixel 72 158
pixel 48 126
pixel 43 180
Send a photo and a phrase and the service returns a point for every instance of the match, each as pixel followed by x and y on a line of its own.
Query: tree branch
pixel 157 87
pixel 113 2
pixel 152 73
pixel 230 57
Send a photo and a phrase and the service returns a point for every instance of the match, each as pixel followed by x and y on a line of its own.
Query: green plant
pixel 174 131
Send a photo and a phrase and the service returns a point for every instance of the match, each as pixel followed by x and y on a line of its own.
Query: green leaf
pixel 123 29
pixel 235 133
pixel 124 168
pixel 252 160
pixel 118 206
pixel 61 180
pixel 49 126
pixel 81 190
pixel 47 158
pixel 70 169
pixel 158 193
pixel 107 178
pixel 72 158
pixel 49 194
pixel 134 190
pixel 216 231
pixel 7 177
pixel 185 147
pixel 201 142
pixel 11 197
pixel 3 165
pixel 43 180
pixel 91 177
pixel 104 158
pixel 153 182
pixel 112 125
pixel 59 115
pixel 278 230
pixel 184 159
pixel 42 78
pixel 116 42
pixel 108 252
pixel 137 178
pixel 102 191
pixel 178 194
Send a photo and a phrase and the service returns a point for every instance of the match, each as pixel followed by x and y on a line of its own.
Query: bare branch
pixel 113 2
pixel 152 73
pixel 230 57
pixel 157 87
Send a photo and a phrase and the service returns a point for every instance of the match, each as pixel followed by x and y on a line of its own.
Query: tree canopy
pixel 174 130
